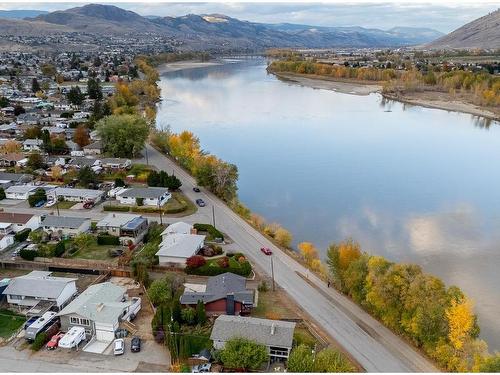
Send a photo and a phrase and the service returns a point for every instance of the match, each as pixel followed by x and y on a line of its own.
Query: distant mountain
pixel 20 14
pixel 216 31
pixel 483 32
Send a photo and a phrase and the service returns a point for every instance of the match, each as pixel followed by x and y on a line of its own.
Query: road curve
pixel 374 346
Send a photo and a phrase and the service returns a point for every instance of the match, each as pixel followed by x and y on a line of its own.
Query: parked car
pixel 135 345
pixel 200 202
pixel 266 250
pixel 50 203
pixel 119 347
pixel 205 367
pixel 88 205
pixel 196 189
pixel 54 341
pixel 40 203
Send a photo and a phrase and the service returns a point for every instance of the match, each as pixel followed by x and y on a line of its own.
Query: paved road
pixel 375 347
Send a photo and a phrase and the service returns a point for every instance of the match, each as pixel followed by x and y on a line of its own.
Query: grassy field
pixel 66 205
pixel 273 305
pixel 9 323
pixel 180 201
pixel 95 252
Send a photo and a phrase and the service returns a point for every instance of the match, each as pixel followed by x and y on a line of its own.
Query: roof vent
pixel 100 306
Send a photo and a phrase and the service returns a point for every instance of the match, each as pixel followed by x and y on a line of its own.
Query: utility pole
pixel 57 204
pixel 213 215
pixel 147 158
pixel 272 274
pixel 159 211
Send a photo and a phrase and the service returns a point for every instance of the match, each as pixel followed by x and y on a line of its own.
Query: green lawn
pixel 9 323
pixel 180 202
pixel 96 252
pixel 66 205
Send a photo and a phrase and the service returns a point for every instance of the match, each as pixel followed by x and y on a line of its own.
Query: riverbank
pixel 182 65
pixel 326 83
pixel 428 99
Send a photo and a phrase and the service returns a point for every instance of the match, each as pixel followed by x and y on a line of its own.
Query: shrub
pixel 150 210
pixel 107 239
pixel 2 193
pixel 263 287
pixel 39 195
pixel 28 254
pixel 59 249
pixel 139 201
pixel 22 235
pixel 116 208
pixel 210 229
pixel 188 315
pixel 40 340
pixel 196 261
pixel 223 262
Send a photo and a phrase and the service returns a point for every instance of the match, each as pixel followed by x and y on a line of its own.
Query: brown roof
pixel 11 217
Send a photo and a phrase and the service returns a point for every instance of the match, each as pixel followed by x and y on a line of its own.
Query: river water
pixel 410 183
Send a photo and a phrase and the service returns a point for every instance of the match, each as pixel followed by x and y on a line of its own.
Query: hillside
pixel 212 31
pixel 483 32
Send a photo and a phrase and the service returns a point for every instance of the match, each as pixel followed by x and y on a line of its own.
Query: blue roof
pixel 134 223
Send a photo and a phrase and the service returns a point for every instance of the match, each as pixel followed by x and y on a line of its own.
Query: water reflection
pixel 411 184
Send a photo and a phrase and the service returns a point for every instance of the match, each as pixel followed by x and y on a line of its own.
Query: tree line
pixel 438 319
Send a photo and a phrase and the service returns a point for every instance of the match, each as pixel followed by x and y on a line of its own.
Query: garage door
pixel 102 335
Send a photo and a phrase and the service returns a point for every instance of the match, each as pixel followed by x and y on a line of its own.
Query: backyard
pixel 95 252
pixel 9 323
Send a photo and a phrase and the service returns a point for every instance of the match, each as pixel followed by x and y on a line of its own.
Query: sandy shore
pixel 181 65
pixel 429 99
pixel 343 87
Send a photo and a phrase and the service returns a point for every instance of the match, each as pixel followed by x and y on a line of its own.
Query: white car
pixel 205 367
pixel 119 347
pixel 50 203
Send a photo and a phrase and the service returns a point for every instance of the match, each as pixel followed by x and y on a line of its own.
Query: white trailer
pixel 72 338
pixel 39 325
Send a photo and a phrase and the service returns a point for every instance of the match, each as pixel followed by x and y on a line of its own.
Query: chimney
pixel 194 231
pixel 100 306
pixel 273 328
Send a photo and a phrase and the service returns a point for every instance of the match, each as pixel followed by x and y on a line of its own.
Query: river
pixel 410 183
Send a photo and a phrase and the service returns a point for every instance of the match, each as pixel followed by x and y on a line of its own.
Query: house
pixel 151 196
pixel 15 222
pixel 115 163
pixel 65 225
pixel 99 309
pixel 15 178
pixel 21 192
pixel 37 286
pixel 32 145
pixel 223 294
pixel 127 227
pixel 5 240
pixel 94 148
pixel 76 195
pixel 179 227
pixel 275 335
pixel 176 248
pixel 80 162
pixel 10 160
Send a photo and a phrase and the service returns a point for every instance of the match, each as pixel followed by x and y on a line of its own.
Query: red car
pixel 54 341
pixel 266 250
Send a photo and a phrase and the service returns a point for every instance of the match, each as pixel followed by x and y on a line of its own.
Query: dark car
pixel 40 203
pixel 196 189
pixel 200 202
pixel 135 345
pixel 266 250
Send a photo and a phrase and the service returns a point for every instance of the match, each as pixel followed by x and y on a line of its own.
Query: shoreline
pixel 183 65
pixel 421 99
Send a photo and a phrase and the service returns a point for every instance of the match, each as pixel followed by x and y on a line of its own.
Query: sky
pixel 442 15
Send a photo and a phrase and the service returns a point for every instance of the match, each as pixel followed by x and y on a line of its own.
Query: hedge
pixel 22 235
pixel 107 239
pixel 210 229
pixel 59 249
pixel 116 208
pixel 212 268
pixel 28 254
pixel 151 210
pixel 40 340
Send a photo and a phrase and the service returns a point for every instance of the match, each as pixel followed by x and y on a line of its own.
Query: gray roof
pixel 149 192
pixel 263 331
pixel 38 284
pixel 180 245
pixel 219 287
pixel 84 193
pixel 116 220
pixel 100 303
pixel 97 145
pixel 17 177
pixel 64 221
pixel 82 161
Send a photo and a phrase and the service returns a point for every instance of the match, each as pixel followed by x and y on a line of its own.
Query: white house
pixel 151 196
pixel 29 290
pixel 21 192
pixel 5 240
pixel 65 226
pixel 127 227
pixel 99 309
pixel 32 145
pixel 15 222
pixel 176 248
pixel 77 195
pixel 178 227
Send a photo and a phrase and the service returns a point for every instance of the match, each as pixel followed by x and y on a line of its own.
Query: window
pixel 85 322
pixel 74 320
pixel 79 321
pixel 14 296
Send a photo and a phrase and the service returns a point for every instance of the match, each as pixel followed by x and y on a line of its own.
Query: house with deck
pixel 128 227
